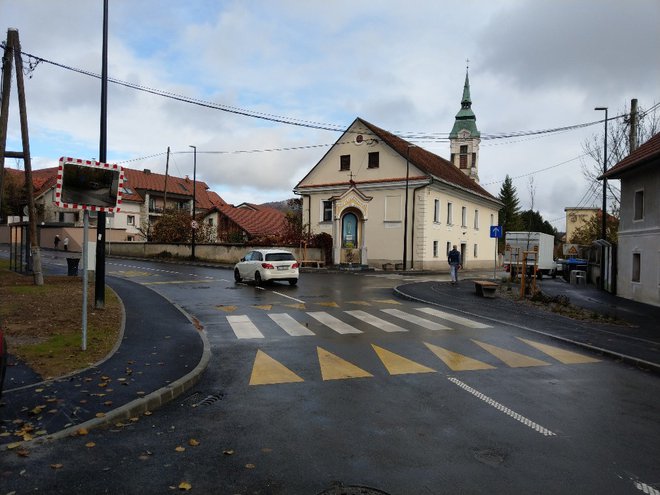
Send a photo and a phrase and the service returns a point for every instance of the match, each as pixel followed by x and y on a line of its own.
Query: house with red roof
pixel 246 222
pixel 385 200
pixel 638 258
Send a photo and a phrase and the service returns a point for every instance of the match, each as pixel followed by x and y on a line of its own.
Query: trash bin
pixel 572 264
pixel 72 264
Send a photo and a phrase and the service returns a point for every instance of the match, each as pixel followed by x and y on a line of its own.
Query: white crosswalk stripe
pixel 330 321
pixel 244 328
pixel 453 318
pixel 417 320
pixel 376 322
pixel 289 325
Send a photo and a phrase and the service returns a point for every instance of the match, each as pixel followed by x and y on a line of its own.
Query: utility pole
pixel 633 124
pixel 167 167
pixel 13 43
pixel 99 282
pixel 7 62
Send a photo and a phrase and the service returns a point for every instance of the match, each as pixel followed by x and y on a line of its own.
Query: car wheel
pixel 237 275
pixel 293 281
pixel 257 279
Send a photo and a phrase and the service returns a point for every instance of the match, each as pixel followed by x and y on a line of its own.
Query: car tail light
pixel 295 265
pixel 267 266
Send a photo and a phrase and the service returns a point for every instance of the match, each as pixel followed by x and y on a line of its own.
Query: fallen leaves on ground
pixel 185 486
pixel 193 443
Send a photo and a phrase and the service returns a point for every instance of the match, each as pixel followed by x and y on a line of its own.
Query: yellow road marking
pixel 132 273
pixel 335 368
pixel 399 365
pixel 227 309
pixel 266 307
pixel 565 357
pixel 458 362
pixel 330 304
pixel 268 371
pixel 359 303
pixel 510 358
pixel 295 306
pixel 178 282
pixel 386 301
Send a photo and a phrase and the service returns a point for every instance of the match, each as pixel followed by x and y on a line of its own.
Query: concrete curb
pixel 641 363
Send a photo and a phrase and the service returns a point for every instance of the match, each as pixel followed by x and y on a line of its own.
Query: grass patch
pixel 43 324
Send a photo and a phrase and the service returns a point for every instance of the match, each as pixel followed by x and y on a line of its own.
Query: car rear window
pixel 280 257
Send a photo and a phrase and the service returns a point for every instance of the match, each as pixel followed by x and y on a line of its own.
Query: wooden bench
pixel 485 288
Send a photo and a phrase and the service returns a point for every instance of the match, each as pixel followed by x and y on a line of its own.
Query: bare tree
pixel 618 147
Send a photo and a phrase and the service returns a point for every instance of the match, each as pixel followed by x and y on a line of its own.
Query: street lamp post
pixel 405 215
pixel 603 227
pixel 192 223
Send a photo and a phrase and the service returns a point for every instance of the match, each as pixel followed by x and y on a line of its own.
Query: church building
pixel 386 201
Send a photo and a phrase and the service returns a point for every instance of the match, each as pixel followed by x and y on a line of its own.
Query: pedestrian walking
pixel 454 260
pixel 66 244
pixel 56 241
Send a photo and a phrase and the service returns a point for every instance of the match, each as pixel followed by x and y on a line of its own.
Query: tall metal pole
pixel 194 198
pixel 99 282
pixel 405 213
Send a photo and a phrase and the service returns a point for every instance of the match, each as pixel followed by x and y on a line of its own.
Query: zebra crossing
pixel 244 326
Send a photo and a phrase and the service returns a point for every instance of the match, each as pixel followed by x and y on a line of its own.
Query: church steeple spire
pixel 464 137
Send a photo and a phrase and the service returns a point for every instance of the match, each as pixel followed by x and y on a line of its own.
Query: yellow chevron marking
pixel 268 371
pixel 265 307
pixel 330 304
pixel 510 358
pixel 565 357
pixel 335 368
pixel 399 365
pixel 226 309
pixel 295 306
pixel 386 301
pixel 458 362
pixel 359 303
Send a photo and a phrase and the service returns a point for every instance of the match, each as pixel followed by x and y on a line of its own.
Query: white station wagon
pixel 263 265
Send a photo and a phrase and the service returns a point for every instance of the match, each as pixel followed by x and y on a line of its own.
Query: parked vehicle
pixel 263 265
pixel 538 244
pixel 3 359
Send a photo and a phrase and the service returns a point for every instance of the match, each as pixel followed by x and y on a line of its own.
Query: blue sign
pixel 496 231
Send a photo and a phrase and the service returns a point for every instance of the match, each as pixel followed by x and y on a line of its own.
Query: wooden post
pixel 12 38
pixel 7 62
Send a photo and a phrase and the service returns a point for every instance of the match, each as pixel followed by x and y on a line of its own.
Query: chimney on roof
pixel 147 171
pixel 187 178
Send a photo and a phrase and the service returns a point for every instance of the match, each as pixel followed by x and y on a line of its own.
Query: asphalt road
pixel 336 383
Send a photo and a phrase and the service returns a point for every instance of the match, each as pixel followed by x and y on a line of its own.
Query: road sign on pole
pixel 496 231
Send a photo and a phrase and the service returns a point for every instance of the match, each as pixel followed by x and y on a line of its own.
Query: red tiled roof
pixel 647 152
pixel 256 220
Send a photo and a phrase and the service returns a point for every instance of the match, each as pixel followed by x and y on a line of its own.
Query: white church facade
pixel 385 200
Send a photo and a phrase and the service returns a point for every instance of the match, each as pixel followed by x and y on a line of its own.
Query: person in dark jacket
pixel 454 260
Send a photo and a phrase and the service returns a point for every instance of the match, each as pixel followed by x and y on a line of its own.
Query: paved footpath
pixel 161 354
pixel 635 338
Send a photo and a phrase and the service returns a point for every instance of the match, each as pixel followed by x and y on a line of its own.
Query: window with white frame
pixel 448 247
pixel 636 267
pixel 463 216
pixel 450 214
pixel 492 219
pixel 475 251
pixel 435 249
pixel 639 205
pixel 130 219
pixel 436 211
pixel 326 211
pixel 476 219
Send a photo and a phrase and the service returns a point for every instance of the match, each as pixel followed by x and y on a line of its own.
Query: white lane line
pixel 244 328
pixel 417 320
pixel 456 319
pixel 289 297
pixel 376 322
pixel 644 488
pixel 289 325
pixel 332 322
pixel 504 409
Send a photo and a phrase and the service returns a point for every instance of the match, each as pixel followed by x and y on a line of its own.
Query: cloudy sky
pixel 534 65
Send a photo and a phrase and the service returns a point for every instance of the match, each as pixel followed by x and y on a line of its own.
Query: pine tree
pixel 509 215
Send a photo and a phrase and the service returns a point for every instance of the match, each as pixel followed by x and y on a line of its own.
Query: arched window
pixel 349 231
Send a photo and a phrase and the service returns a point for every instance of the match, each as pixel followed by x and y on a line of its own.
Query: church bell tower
pixel 464 138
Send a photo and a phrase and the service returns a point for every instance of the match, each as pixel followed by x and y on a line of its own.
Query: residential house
pixel 638 256
pixel 577 217
pixel 385 200
pixel 245 222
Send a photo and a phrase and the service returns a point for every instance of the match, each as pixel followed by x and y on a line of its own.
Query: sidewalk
pixel 157 360
pixel 635 338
